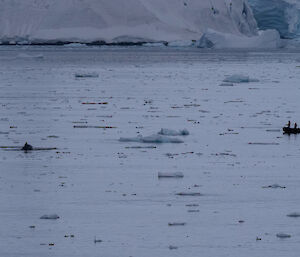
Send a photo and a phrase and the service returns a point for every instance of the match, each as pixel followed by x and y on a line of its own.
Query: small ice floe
pixel 274 186
pixel 189 194
pixel 86 75
pixel 170 175
pixel 75 45
pixel 156 139
pixel 176 224
pixel 49 217
pixel 238 78
pixel 171 132
pixel 283 235
pixel 294 215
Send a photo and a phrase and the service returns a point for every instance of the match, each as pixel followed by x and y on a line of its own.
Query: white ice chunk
pixel 171 132
pixel 158 139
pixel 239 78
pixel 155 44
pixel 265 40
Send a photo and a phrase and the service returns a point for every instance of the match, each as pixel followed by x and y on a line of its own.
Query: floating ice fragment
pixel 294 215
pixel 171 132
pixel 86 75
pixel 157 139
pixel 49 217
pixel 283 235
pixel 170 175
pixel 238 78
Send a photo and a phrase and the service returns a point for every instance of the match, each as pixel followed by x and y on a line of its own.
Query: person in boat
pixel 295 127
pixel 289 124
pixel 27 147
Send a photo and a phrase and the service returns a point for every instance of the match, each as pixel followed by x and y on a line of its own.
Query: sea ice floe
pixel 171 132
pixel 49 217
pixel 157 139
pixel 239 78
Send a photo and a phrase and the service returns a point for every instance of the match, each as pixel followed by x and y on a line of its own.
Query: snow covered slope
pixel 114 21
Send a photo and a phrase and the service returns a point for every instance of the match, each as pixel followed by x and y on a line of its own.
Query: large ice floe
pixel 119 21
pixel 163 136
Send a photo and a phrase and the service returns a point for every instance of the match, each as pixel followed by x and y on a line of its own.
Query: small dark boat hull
pixel 288 130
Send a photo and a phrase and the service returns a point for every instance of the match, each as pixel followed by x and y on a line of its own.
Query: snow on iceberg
pixel 238 78
pixel 171 132
pixel 156 139
pixel 264 39
pixel 119 21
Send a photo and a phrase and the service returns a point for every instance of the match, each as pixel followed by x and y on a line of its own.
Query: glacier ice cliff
pixel 117 21
pixel 282 15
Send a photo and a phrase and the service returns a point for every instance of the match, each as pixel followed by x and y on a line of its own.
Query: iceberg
pixel 238 78
pixel 177 22
pixel 264 39
pixel 282 15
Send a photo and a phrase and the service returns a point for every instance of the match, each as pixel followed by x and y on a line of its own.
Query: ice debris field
pixel 148 152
